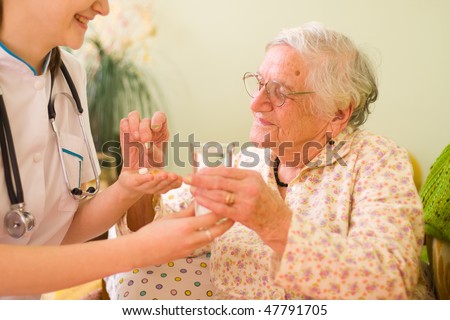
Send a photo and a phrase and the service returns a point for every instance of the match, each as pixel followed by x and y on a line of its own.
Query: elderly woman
pixel 323 209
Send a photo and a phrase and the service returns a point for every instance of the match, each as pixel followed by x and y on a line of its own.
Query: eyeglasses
pixel 275 91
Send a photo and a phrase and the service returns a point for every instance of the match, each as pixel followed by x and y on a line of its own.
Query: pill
pixel 143 170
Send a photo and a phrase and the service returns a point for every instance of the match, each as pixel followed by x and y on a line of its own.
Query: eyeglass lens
pixel 253 85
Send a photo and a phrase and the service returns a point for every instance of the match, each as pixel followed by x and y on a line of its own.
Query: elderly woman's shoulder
pixel 368 141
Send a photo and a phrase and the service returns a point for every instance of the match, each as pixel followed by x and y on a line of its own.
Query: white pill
pixel 143 171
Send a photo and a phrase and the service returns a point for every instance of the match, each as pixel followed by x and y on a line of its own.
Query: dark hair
pixel 55 60
pixel 1 13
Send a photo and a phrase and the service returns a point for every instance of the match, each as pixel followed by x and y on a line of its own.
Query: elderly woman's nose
pixel 261 102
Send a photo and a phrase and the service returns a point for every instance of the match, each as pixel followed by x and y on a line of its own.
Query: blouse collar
pixel 14 60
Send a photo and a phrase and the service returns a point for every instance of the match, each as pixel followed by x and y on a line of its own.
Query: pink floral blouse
pixel 356 231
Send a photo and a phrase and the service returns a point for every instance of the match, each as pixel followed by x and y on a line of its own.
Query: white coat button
pixel 39 84
pixel 37 157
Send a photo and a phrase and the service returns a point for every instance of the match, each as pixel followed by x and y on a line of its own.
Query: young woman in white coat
pixel 45 226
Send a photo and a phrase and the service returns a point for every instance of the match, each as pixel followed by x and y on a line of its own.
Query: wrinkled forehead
pixel 285 64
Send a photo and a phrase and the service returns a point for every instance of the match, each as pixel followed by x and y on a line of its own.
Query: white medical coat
pixel 26 97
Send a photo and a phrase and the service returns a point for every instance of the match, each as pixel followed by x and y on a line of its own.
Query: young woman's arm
pixel 29 270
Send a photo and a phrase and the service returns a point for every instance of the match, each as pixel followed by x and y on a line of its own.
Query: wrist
pixel 276 236
pixel 141 213
pixel 129 246
pixel 125 195
pixel 139 248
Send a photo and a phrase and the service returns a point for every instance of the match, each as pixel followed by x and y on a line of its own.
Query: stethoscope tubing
pixel 76 193
pixel 7 143
pixel 18 221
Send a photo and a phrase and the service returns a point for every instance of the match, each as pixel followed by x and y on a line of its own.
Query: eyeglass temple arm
pixel 299 92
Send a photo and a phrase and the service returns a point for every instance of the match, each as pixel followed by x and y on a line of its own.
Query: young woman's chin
pixel 75 43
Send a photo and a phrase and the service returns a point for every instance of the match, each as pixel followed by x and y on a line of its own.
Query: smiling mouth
pixel 81 19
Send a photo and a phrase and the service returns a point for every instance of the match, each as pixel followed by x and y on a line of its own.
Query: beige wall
pixel 204 46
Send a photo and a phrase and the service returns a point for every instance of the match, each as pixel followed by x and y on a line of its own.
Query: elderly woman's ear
pixel 340 120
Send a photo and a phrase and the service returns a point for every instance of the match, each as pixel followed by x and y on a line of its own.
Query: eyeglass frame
pixel 261 85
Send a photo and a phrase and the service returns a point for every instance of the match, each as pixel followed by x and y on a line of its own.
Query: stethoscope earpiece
pixel 91 190
pixel 78 192
pixel 17 221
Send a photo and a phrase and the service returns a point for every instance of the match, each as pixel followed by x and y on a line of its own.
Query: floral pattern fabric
pixel 356 230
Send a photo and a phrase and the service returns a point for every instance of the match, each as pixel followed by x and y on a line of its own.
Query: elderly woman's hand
pixel 243 196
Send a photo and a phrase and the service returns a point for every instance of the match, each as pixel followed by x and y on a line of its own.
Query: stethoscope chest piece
pixel 18 222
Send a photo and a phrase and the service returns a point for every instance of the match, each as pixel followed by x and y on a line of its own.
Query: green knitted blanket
pixel 435 195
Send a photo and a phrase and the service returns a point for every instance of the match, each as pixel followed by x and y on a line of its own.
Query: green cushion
pixel 435 195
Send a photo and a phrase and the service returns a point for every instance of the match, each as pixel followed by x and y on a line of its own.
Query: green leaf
pixel 116 86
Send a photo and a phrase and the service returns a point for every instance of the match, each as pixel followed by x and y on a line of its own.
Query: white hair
pixel 338 73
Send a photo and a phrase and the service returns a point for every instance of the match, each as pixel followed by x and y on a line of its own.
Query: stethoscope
pixel 18 221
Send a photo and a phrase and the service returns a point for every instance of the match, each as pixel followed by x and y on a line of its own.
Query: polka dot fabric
pixel 183 279
pixel 356 231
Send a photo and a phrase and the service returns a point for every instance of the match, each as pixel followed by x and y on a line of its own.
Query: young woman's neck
pixel 25 47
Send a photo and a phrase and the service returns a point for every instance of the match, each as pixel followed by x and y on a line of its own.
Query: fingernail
pixel 156 127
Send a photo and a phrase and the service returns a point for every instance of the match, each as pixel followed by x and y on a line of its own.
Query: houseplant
pixel 116 86
pixel 116 57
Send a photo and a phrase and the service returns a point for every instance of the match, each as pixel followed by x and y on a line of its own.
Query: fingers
pixel 228 179
pixel 161 183
pixel 219 196
pixel 205 221
pixel 181 233
pixel 124 129
pixel 158 125
pixel 205 228
pixel 220 228
pixel 134 119
pixel 145 130
pixel 158 121
pixel 208 234
pixel 233 173
pixel 154 182
pixel 124 125
pixel 219 206
pixel 188 212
